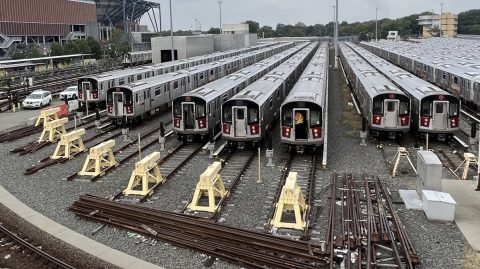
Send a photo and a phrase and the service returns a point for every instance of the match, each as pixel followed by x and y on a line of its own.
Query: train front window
pixel 176 109
pixel 227 114
pixel 378 107
pixel 200 110
pixel 252 115
pixel 426 108
pixel 404 108
pixel 315 118
pixel 439 108
pixel 453 109
pixel 287 117
pixel 390 106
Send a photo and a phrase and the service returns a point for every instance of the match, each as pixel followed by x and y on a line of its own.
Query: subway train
pixel 434 111
pixel 197 112
pixel 137 58
pixel 303 113
pixel 385 108
pixel 93 89
pixel 133 101
pixel 457 73
pixel 251 113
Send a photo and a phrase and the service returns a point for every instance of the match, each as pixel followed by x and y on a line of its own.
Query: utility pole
pixel 160 17
pixel 376 24
pixel 441 19
pixel 336 34
pixel 171 30
pixel 220 6
pixel 124 20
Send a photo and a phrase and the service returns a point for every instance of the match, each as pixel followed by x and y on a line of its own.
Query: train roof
pixel 373 82
pixel 261 90
pixel 312 84
pixel 414 86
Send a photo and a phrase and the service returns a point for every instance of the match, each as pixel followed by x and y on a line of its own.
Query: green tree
pixel 214 31
pixel 266 31
pixel 34 53
pixel 253 26
pixel 117 45
pixel 95 47
pixel 56 49
pixel 469 22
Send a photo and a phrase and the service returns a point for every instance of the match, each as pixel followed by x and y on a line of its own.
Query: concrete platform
pixel 75 239
pixel 467 211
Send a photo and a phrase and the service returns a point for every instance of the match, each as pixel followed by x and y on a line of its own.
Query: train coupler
pixel 210 186
pixel 291 199
pixel 146 172
pixel 300 149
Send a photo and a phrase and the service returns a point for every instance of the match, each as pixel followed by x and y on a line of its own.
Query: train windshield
pixel 227 114
pixel 252 115
pixel 315 117
pixel 404 108
pixel 200 106
pixel 378 107
pixel 287 117
pixel 177 108
pixel 426 110
pixel 453 109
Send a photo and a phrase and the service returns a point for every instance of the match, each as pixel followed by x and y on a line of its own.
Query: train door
pixel 147 100
pixel 86 88
pixel 240 121
pixel 300 128
pixel 440 115
pixel 391 113
pixel 118 104
pixel 188 111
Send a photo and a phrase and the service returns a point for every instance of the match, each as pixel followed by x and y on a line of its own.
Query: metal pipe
pixel 376 24
pixel 220 6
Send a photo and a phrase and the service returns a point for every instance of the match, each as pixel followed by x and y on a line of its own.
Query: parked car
pixel 69 93
pixel 37 99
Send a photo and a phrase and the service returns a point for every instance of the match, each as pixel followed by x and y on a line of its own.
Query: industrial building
pixel 446 22
pixel 47 21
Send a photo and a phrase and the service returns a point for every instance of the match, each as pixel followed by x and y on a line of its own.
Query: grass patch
pixel 472 259
pixel 350 118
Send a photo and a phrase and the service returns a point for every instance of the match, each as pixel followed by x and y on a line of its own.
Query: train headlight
pixel 286 132
pixel 317 132
pixel 202 123
pixel 454 122
pixel 425 121
pixel 176 122
pixel 226 128
pixel 404 120
pixel 254 129
pixel 377 119
pixel 94 95
pixel 109 109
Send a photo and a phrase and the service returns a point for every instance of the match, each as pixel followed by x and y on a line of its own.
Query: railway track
pixel 306 167
pixel 364 228
pixel 28 130
pixel 234 165
pixel 11 242
pixel 169 165
pixel 245 248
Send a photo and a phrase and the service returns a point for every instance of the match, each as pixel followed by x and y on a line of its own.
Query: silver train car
pixel 137 57
pixel 385 107
pixel 303 112
pixel 250 114
pixel 197 112
pixel 136 100
pixel 455 74
pixel 93 89
pixel 433 111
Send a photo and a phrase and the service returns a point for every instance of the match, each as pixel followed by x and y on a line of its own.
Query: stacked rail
pixel 245 248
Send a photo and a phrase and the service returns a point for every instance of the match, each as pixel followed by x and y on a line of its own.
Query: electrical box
pixel 438 206
pixel 429 172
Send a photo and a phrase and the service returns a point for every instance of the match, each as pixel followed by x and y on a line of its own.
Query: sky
pixel 272 12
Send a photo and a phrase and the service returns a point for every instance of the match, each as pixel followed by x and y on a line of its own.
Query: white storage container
pixel 438 206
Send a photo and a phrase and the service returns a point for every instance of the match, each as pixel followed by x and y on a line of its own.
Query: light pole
pixel 376 24
pixel 441 19
pixel 171 29
pixel 336 34
pixel 220 7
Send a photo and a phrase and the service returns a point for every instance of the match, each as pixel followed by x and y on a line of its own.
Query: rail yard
pixel 291 153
